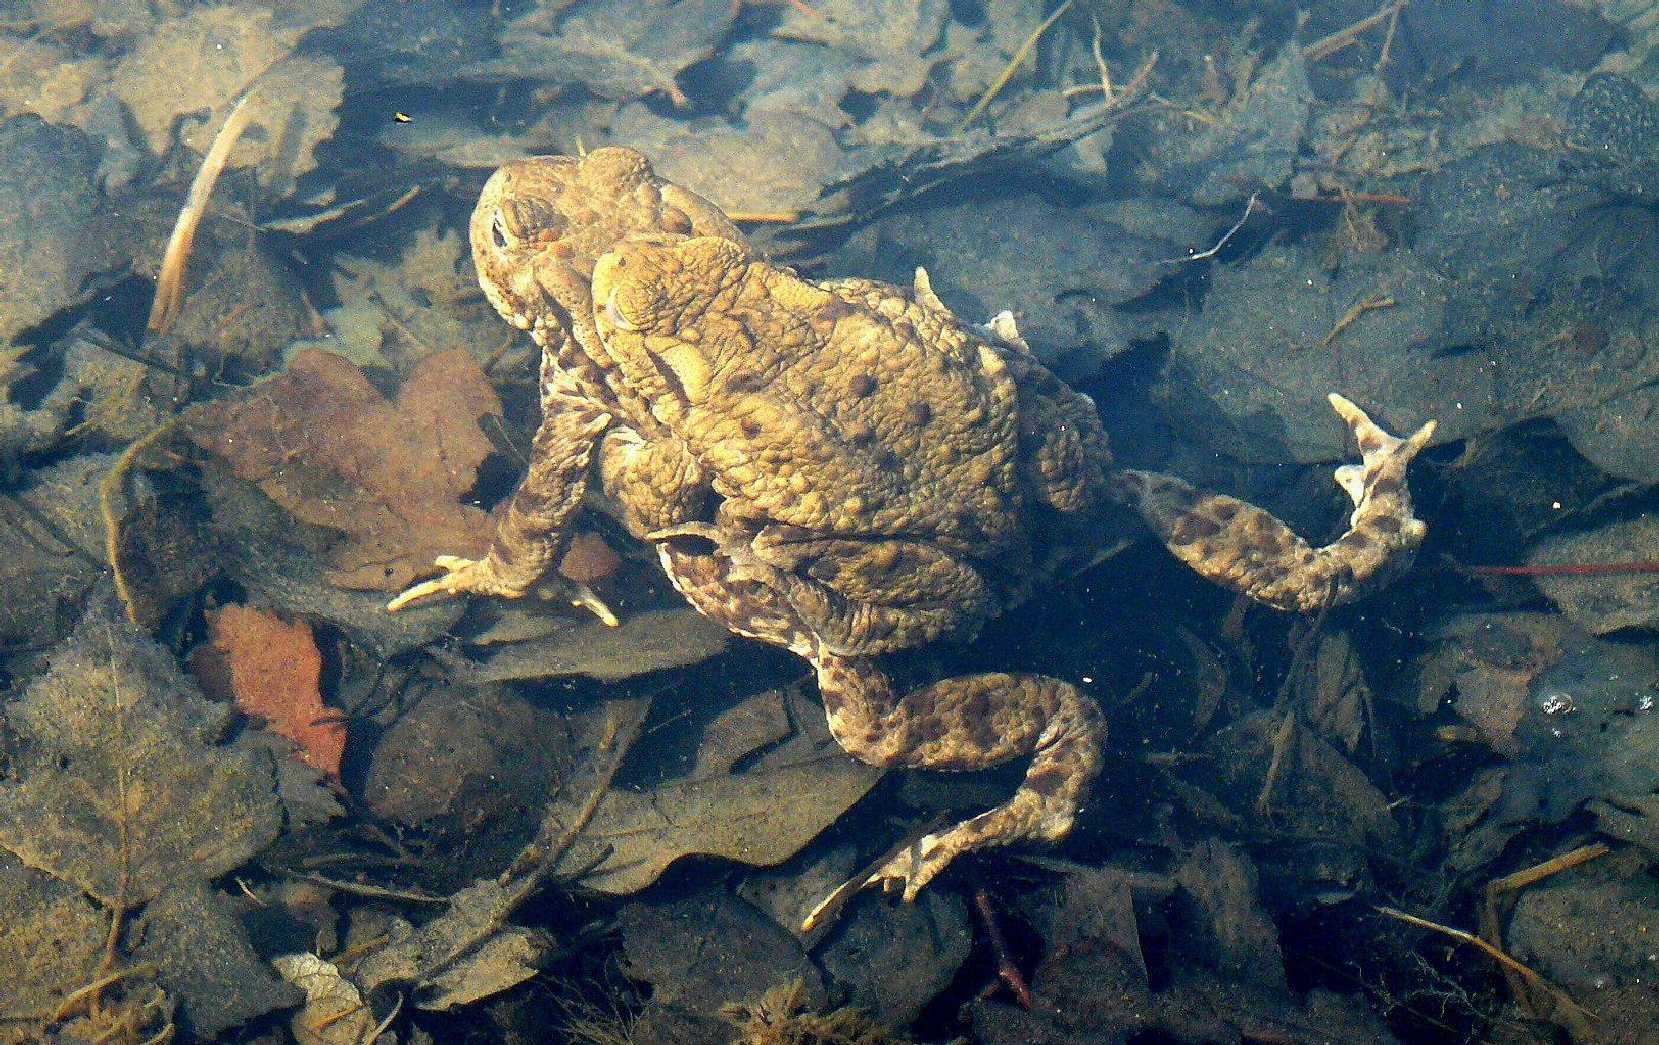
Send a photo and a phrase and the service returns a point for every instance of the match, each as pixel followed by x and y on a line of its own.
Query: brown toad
pixel 845 469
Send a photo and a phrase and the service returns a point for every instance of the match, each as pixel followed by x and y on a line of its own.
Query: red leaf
pixel 274 667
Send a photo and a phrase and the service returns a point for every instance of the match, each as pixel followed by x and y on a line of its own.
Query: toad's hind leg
pixel 964 723
pixel 1245 548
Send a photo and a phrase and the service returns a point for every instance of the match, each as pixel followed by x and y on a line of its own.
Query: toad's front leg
pixel 1244 548
pixel 528 537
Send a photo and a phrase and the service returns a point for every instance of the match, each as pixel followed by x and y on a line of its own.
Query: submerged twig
pixel 170 278
pixel 1250 206
pixel 1012 67
pixel 552 842
pixel 1326 46
pixel 1527 991
pixel 1563 569
pixel 1574 1011
pixel 361 889
pixel 1008 974
pixel 107 491
pixel 763 217
pixel 1358 309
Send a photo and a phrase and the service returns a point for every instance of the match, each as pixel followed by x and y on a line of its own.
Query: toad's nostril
pixel 498 232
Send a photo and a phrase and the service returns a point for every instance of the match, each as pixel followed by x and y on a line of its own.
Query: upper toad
pixel 844 468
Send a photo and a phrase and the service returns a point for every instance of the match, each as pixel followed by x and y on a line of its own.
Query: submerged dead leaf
pixel 202 60
pixel 53 943
pixel 323 443
pixel 760 816
pixel 618 49
pixel 120 787
pixel 392 312
pixel 273 668
pixel 334 1012
pixel 40 78
pixel 893 39
pixel 653 640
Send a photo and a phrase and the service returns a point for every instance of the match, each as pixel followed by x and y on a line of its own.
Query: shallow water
pixel 258 381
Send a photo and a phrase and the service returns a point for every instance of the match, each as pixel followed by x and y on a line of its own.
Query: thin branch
pixel 1249 206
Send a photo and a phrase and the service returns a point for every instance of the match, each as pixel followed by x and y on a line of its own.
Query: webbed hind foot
pixel 1245 548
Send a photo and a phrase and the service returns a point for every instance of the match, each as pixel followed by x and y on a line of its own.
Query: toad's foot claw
pixel 1242 547
pixel 461 576
pixel 584 598
pixel 911 868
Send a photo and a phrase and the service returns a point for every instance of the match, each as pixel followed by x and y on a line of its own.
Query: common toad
pixel 845 469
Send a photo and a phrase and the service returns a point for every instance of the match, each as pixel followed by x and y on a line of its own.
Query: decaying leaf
pixel 120 788
pixel 1488 661
pixel 500 963
pixel 194 938
pixel 53 943
pixel 760 816
pixel 200 61
pixel 775 161
pixel 1318 794
pixel 617 49
pixel 1633 819
pixel 394 312
pixel 655 640
pixel 892 38
pixel 1340 704
pixel 323 443
pixel 273 667
pixel 46 80
pixel 1253 142
pixel 109 18
pixel 1604 604
pixel 464 954
pixel 334 1012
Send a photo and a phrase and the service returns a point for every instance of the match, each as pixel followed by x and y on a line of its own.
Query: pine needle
pixel 1013 64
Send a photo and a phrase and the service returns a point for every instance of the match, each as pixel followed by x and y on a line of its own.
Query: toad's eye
pixel 615 314
pixel 498 231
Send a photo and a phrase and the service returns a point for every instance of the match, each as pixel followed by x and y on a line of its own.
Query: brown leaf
pixel 323 443
pixel 273 669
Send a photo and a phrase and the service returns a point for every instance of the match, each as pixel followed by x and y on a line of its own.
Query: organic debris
pixel 272 667
pixel 556 647
pixel 47 196
pixel 893 41
pixel 334 1012
pixel 392 313
pixel 780 1017
pixel 471 951
pixel 48 81
pixel 617 49
pixel 388 475
pixel 1604 579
